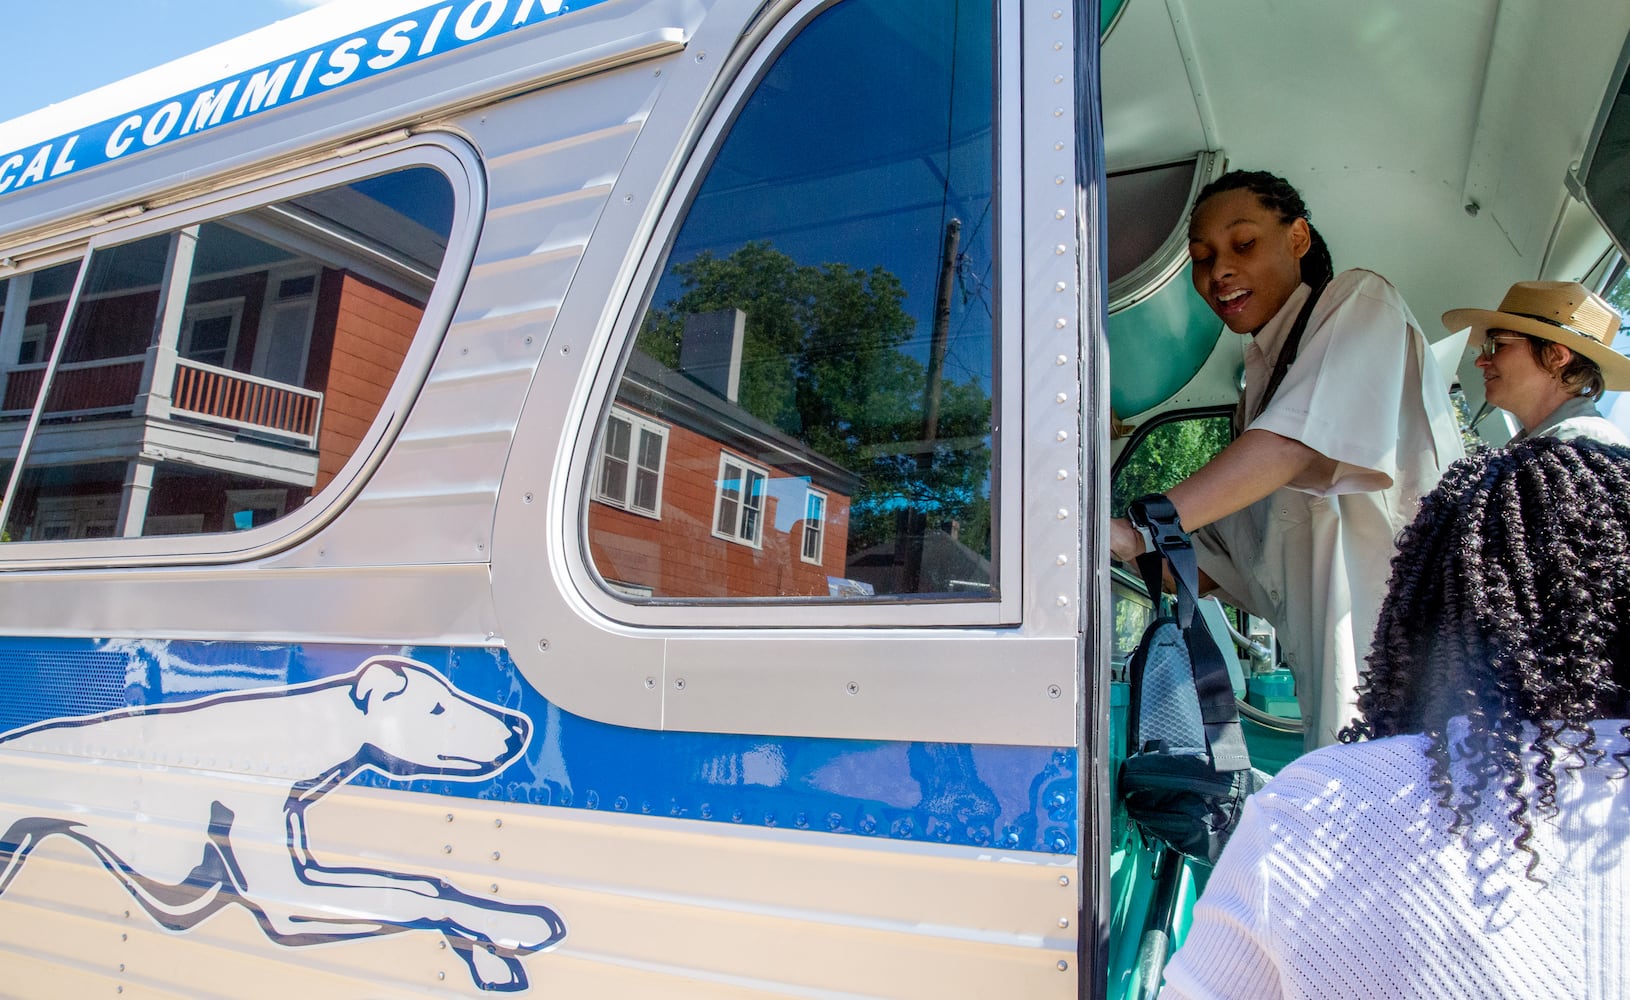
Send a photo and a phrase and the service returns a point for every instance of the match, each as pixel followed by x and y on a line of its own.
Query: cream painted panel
pixel 653 908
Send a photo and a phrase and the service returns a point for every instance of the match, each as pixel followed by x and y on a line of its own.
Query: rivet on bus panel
pixel 1063 436
pixel 543 645
pixel 1063 921
pixel 1063 966
pixel 1064 880
pixel 1063 601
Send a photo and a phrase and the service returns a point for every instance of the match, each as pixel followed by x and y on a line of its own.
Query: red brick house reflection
pixel 692 496
pixel 211 379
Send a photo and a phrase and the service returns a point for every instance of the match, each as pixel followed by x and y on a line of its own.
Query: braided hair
pixel 1509 604
pixel 1277 195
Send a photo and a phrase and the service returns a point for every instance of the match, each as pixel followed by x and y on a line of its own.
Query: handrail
pixel 238 399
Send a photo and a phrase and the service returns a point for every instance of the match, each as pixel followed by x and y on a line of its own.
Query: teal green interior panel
pixel 1156 346
pixel 1107 11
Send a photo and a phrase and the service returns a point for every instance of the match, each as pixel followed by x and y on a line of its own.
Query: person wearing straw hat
pixel 1547 356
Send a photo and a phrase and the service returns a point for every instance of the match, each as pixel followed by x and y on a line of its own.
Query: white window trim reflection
pixel 626 499
pixel 196 313
pixel 741 531
pixel 815 503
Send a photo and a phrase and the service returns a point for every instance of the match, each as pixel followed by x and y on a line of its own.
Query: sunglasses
pixel 1492 344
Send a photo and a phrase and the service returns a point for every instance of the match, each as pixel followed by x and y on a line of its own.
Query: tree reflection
pixel 831 356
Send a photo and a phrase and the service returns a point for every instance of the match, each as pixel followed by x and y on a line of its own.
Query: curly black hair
pixel 1278 196
pixel 1509 604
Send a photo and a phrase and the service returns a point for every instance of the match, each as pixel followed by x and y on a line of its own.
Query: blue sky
pixel 108 40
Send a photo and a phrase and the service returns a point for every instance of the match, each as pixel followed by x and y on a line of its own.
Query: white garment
pixel 1314 557
pixel 1577 418
pixel 1343 880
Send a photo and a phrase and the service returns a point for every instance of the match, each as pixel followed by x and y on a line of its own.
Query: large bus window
pixel 216 376
pixel 808 400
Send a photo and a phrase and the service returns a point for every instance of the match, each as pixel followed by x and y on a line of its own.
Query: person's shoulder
pixel 1344 767
pixel 1367 298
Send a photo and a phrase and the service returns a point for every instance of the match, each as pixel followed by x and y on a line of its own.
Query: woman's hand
pixel 1125 543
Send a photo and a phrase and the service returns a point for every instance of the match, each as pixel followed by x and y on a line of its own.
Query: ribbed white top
pixel 1343 880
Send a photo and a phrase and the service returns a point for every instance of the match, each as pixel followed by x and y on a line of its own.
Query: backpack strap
pixel 1225 740
pixel 1287 351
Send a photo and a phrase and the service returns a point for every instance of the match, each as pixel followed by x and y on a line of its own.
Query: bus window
pixel 216 376
pixel 806 411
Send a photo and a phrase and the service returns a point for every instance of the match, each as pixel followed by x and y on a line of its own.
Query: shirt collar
pixel 1272 336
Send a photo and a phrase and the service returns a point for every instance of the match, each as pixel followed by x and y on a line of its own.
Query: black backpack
pixel 1187 772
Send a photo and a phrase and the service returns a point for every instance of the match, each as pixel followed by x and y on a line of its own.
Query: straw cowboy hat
pixel 1563 312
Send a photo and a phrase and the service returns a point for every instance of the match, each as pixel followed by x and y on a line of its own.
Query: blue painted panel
pixel 1156 346
pixel 1017 798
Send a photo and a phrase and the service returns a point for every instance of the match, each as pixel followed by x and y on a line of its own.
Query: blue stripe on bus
pixel 1007 797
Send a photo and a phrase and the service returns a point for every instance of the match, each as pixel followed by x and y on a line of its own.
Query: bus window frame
pixel 453 158
pixel 755 56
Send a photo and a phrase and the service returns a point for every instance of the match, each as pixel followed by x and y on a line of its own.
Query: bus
pixel 607 497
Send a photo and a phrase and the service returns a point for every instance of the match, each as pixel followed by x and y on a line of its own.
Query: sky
pixel 112 39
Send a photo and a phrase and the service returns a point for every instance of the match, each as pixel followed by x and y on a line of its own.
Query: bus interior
pixel 1452 149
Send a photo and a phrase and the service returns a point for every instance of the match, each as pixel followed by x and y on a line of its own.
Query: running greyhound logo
pixel 391 715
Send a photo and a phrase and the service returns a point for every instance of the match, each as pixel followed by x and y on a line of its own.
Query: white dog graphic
pixel 391 715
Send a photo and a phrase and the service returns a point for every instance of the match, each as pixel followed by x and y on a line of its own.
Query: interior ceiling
pixel 1377 112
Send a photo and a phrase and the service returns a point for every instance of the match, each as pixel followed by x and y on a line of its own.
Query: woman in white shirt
pixel 1546 356
pixel 1345 423
pixel 1475 846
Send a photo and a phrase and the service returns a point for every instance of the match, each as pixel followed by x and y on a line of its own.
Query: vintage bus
pixel 606 497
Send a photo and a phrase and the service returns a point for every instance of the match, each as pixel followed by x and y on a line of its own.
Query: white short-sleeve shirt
pixel 1314 557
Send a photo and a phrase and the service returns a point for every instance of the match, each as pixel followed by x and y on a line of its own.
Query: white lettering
pixel 432 34
pixel 13 161
pixel 63 164
pixel 345 62
pixel 523 13
pixel 119 142
pixel 468 30
pixel 162 124
pixel 305 74
pixel 36 170
pixel 208 108
pixel 263 90
pixel 393 45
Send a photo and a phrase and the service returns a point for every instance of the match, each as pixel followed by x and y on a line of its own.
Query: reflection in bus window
pixel 215 377
pixel 34 304
pixel 819 348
